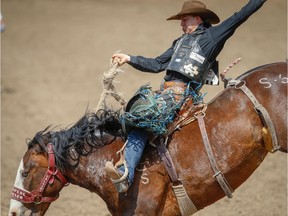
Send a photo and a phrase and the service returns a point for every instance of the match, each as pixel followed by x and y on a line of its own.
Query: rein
pixel 36 196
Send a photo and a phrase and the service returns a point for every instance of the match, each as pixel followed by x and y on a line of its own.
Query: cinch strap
pixel 217 173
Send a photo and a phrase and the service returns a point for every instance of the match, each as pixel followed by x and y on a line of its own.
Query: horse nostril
pixel 13 214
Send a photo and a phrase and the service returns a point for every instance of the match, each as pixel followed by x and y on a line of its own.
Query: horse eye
pixel 24 174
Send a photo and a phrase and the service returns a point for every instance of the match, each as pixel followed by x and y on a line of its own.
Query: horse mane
pixel 92 131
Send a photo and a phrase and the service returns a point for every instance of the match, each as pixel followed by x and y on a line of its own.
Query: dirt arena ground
pixel 55 52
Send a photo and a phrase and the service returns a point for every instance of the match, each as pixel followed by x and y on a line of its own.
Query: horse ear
pixel 39 141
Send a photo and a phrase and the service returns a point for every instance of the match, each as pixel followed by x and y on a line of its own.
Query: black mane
pixel 92 131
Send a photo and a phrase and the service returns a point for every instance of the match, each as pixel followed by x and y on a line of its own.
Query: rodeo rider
pixel 188 59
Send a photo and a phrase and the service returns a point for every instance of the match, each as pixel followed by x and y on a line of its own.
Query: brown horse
pixel 78 154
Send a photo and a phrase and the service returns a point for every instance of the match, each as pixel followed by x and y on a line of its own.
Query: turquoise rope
pixel 155 116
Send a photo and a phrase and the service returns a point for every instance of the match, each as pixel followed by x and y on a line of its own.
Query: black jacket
pixel 211 43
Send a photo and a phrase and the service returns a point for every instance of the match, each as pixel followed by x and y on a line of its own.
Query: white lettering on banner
pixel 197 57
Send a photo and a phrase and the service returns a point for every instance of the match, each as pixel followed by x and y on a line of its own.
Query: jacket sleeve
pixel 152 65
pixel 227 28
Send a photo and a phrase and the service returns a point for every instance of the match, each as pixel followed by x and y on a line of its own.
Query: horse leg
pixel 171 206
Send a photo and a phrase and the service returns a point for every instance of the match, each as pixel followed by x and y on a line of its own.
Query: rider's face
pixel 189 23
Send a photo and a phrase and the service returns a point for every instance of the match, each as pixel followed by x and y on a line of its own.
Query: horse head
pixel 53 155
pixel 38 181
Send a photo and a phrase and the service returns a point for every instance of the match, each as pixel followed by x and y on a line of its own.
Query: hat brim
pixel 202 12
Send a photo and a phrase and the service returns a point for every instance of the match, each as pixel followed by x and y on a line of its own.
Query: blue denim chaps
pixel 135 146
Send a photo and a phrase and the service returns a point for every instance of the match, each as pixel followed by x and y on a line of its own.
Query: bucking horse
pixel 212 155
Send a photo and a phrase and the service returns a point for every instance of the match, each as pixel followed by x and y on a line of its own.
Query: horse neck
pixel 89 173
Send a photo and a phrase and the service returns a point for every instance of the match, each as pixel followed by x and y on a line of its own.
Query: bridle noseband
pixel 35 196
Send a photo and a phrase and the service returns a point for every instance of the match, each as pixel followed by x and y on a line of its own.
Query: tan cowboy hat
pixel 196 8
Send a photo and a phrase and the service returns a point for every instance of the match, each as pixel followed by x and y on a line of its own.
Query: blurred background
pixel 53 56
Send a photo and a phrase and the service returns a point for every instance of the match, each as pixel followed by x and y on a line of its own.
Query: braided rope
pixel 109 88
pixel 228 68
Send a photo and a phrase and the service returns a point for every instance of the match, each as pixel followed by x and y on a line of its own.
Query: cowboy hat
pixel 196 8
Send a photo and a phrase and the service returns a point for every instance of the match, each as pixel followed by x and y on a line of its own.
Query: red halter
pixel 35 196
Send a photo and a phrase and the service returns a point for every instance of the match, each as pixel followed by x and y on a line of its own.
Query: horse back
pixel 234 130
pixel 269 85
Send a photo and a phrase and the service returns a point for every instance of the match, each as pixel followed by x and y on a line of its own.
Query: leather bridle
pixel 36 196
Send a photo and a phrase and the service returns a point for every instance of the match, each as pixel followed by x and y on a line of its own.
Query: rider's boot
pixel 122 174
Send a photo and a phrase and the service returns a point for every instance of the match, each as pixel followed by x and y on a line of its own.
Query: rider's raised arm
pixel 227 28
